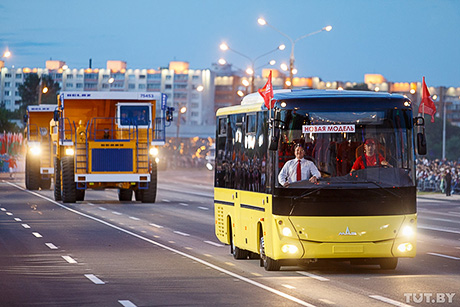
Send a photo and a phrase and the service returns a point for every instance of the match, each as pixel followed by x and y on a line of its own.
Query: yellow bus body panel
pixel 242 214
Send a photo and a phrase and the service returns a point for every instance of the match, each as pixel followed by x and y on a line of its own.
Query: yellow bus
pixel 365 216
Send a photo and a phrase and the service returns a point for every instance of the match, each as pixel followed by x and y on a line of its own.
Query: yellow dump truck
pixel 109 140
pixel 39 158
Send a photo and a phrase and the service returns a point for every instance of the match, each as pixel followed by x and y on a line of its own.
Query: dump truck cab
pixel 109 140
pixel 39 157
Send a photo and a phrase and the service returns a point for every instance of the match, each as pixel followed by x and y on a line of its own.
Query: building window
pixel 79 85
pixel 154 76
pixel 154 86
pixel 17 102
pixel 141 76
pixel 141 86
pixel 168 77
pixel 79 75
pixel 195 77
pixel 19 76
pixel 69 76
pixel 168 86
pixel 58 76
pixel 16 93
pixel 131 86
pixel 7 84
pixel 69 85
pixel 180 86
pixel 8 75
pixel 7 93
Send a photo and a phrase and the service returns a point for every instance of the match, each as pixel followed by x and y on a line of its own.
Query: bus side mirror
pixel 273 138
pixel 56 115
pixel 421 143
pixel 169 114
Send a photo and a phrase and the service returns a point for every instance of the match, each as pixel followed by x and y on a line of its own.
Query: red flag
pixel 427 104
pixel 267 92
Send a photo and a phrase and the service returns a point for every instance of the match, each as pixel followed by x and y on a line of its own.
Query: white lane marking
pixel 444 256
pixel 438 219
pixel 155 225
pixel 17 219
pixel 90 204
pixel 3 209
pixel 134 218
pixel 36 234
pixel 203 208
pixel 438 229
pixel 117 213
pixel 203 262
pixel 289 287
pixel 166 200
pixel 182 233
pixel 214 243
pixel 9 213
pixel 326 301
pixel 69 259
pixel 26 226
pixel 313 276
pixel 126 303
pixel 102 208
pixel 183 204
pixel 51 245
pixel 94 279
pixel 388 300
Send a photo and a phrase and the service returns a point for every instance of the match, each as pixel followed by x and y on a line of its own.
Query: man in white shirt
pixel 298 169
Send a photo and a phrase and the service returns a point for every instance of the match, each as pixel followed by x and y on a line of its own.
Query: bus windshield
pixel 361 149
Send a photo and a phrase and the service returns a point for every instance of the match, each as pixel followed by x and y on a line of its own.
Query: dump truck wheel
pixel 32 173
pixel 80 194
pixel 150 194
pixel 45 184
pixel 69 190
pixel 138 195
pixel 125 194
pixel 57 180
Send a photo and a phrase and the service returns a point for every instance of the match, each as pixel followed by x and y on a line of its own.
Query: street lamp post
pixel 263 22
pixel 251 70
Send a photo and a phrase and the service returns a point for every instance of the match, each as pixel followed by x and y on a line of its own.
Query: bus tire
pixel 57 180
pixel 32 173
pixel 69 189
pixel 268 263
pixel 150 194
pixel 239 253
pixel 125 194
pixel 388 263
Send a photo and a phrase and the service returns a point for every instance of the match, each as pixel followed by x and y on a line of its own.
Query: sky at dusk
pixel 402 40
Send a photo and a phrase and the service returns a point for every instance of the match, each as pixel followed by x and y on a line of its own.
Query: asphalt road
pixel 102 252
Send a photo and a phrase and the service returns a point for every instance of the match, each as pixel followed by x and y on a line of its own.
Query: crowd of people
pixel 438 176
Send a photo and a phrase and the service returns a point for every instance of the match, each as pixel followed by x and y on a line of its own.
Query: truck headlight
pixel 287 232
pixel 35 150
pixel 405 247
pixel 288 248
pixel 154 151
pixel 69 151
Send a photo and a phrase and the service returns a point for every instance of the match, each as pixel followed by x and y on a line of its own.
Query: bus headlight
pixel 35 150
pixel 286 231
pixel 69 151
pixel 154 151
pixel 408 231
pixel 157 160
pixel 405 247
pixel 289 249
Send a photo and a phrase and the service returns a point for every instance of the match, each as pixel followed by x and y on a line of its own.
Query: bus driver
pixel 298 169
pixel 369 158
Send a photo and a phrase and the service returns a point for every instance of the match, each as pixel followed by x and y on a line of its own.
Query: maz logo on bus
pixel 348 233
pixel 328 128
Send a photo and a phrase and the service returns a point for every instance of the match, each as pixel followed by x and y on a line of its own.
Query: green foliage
pixel 5 124
pixel 31 92
pixel 434 139
pixel 358 87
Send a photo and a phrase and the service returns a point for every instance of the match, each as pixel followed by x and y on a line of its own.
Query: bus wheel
pixel 239 253
pixel 69 189
pixel 269 263
pixel 388 263
pixel 125 194
pixel 57 180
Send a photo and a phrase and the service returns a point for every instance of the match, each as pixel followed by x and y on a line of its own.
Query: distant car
pixel 210 158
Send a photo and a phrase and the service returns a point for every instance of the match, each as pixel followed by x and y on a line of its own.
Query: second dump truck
pixel 108 140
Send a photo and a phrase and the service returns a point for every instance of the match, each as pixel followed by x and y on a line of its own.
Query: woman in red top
pixel 370 157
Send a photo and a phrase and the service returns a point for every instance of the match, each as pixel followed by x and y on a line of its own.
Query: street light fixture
pixel 263 22
pixel 251 70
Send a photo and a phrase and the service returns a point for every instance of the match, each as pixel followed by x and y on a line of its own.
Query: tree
pixel 358 87
pixel 434 139
pixel 31 91
pixel 5 124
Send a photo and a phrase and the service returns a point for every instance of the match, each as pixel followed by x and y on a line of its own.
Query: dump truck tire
pixel 150 194
pixel 32 173
pixel 69 190
pixel 125 194
pixel 57 180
